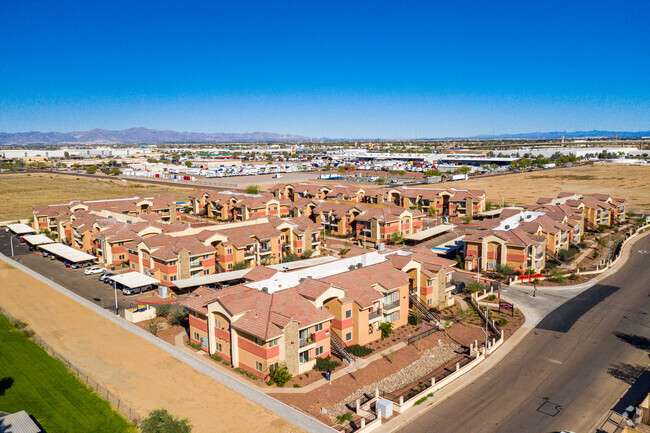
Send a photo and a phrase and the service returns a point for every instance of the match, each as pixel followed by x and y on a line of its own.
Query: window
pixel 304 356
pixel 120 257
pixel 217 323
pixel 274 366
pixel 259 341
pixel 172 278
pixel 348 336
pixel 299 250
pixel 258 366
pixel 229 251
pixel 197 337
pixel 429 301
pixel 348 314
pixel 318 327
pixel 274 343
pixel 164 277
pixel 219 348
pixel 303 334
pixel 206 271
pixel 319 351
pixel 132 265
pixel 230 266
pixel 395 316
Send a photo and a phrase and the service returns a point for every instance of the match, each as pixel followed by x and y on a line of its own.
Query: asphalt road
pixel 87 286
pixel 586 357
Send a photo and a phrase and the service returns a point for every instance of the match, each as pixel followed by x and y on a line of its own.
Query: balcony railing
pixel 265 249
pixel 391 306
pixel 375 314
pixel 307 341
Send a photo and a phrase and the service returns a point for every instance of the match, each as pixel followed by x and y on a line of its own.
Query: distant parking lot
pixel 87 286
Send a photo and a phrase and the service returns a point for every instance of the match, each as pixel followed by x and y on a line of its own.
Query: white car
pixel 95 270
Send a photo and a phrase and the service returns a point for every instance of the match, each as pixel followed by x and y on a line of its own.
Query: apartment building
pixel 296 191
pixel 452 202
pixel 375 225
pixel 54 217
pixel 170 258
pixel 231 206
pixel 256 331
pixel 512 247
pixel 337 219
pixel 596 209
pixel 346 194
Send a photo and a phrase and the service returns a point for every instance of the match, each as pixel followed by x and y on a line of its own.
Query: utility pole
pixel 117 309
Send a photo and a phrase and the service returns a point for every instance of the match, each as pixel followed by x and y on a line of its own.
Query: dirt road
pixel 143 375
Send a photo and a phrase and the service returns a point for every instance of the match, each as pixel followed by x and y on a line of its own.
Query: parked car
pixel 22 240
pixel 52 257
pixel 67 263
pixel 459 288
pixel 77 265
pixel 104 277
pixel 95 270
pixel 45 254
pixel 136 290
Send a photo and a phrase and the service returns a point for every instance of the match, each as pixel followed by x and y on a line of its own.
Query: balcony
pixel 249 252
pixel 265 248
pixel 376 314
pixel 311 339
pixel 391 306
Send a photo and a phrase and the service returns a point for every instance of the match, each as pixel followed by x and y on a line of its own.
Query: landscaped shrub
pixel 358 350
pixel 386 329
pixel 505 270
pixel 295 385
pixel 216 357
pixel 565 255
pixel 415 319
pixel 162 310
pixel 324 364
pixel 179 318
pixel 574 277
pixel 502 322
pixel 473 287
pixel 343 418
pixel 595 254
pixel 161 421
pixel 307 254
pixel 423 399
pixel 557 276
pixel 194 345
pixel 280 375
pixel 582 244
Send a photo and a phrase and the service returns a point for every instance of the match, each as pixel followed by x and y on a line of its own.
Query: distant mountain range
pixel 560 134
pixel 145 135
pixel 138 135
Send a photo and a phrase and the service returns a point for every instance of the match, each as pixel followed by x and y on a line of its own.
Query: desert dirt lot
pixel 625 181
pixel 143 375
pixel 20 192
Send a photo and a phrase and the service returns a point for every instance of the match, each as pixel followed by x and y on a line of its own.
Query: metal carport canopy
pixel 134 280
pixel 39 239
pixel 430 232
pixel 210 279
pixel 67 253
pixel 20 229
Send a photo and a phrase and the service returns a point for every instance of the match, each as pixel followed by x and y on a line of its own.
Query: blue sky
pixel 326 69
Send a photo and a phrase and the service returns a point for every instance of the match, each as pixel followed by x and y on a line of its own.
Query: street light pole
pixel 487 318
pixel 117 310
pixel 11 241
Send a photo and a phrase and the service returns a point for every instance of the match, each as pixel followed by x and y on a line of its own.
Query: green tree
pixel 240 265
pixel 386 329
pixel 504 270
pixel 161 421
pixel 252 189
pixel 473 286
pixel 92 169
pixel 188 163
pixel 306 254
pixel 380 180
pixel 432 172
pixel 397 238
pixel 280 375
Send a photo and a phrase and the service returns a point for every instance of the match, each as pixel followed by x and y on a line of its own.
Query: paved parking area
pixel 87 286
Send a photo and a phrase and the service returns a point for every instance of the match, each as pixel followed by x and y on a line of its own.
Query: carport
pixel 20 229
pixel 38 240
pixel 133 282
pixel 212 280
pixel 67 253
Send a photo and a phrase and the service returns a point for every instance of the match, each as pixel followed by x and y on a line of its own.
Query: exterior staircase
pixel 340 348
pixel 431 317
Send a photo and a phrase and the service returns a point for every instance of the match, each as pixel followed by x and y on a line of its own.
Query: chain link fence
pixel 118 404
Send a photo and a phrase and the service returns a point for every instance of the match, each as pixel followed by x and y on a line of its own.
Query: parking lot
pixel 87 286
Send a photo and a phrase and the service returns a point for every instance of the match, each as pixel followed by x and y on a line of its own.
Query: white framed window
pixel 206 271
pixel 217 323
pixel 164 277
pixel 197 336
pixel 319 351
pixel 304 356
pixel 219 348
pixel 318 327
pixel 132 265
pixel 172 278
pixel 348 336
pixel 395 316
pixel 259 341
pixel 429 301
pixel 258 366
pixel 348 314
pixel 274 343
pixel 230 266
pixel 229 251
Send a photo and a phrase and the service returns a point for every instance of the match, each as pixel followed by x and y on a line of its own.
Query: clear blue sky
pixel 326 69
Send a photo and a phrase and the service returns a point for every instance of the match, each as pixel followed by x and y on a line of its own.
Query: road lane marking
pixel 554 361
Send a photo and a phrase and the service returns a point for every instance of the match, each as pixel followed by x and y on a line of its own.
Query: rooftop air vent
pixel 265 289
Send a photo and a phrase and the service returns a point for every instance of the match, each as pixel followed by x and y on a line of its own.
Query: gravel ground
pixel 430 360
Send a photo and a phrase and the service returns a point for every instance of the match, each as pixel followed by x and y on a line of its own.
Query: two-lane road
pixel 569 371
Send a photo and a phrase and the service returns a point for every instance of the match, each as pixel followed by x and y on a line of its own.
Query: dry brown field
pixel 20 192
pixel 625 181
pixel 141 374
